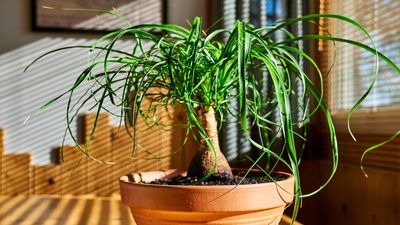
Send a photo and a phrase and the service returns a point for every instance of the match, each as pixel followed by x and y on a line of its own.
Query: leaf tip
pixel 47 7
pixel 26 119
pixel 365 173
pixel 349 129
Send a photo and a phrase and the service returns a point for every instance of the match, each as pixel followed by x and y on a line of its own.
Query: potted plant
pixel 203 73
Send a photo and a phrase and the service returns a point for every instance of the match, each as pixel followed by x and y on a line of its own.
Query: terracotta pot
pixel 253 204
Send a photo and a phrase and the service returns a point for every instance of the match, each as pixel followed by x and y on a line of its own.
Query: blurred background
pixel 30 152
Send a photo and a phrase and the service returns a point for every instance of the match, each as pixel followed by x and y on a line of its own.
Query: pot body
pixel 255 204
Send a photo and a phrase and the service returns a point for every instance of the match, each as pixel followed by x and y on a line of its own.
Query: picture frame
pixel 81 15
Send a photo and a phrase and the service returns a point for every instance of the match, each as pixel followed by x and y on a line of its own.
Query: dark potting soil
pixel 216 179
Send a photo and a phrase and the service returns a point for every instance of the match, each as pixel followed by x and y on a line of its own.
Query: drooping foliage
pixel 190 67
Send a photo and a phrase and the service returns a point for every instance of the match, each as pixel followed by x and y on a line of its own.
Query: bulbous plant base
pixel 255 204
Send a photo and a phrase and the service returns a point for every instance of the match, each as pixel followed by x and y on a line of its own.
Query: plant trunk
pixel 205 160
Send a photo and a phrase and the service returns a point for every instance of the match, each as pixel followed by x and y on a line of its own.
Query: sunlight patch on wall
pixel 20 94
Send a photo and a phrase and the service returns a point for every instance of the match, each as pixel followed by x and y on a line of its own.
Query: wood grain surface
pixel 68 210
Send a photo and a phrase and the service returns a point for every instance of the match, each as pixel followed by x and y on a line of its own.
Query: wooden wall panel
pixel 148 141
pixel 147 151
pixel 350 198
pixel 121 155
pixel 153 143
pixel 182 154
pixel 165 149
pixel 1 156
pixel 46 179
pixel 16 174
pixel 99 175
pixel 173 139
pixel 386 157
pixel 73 171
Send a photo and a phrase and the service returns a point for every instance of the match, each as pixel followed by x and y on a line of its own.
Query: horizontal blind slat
pixel 354 67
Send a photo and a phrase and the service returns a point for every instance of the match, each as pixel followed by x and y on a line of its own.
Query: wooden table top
pixel 68 210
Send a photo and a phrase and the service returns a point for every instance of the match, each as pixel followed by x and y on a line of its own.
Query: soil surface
pixel 216 179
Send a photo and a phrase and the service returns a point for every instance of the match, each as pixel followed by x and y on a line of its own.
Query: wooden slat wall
pixel 159 142
pixel 182 153
pixel 147 147
pixel 99 175
pixel 156 150
pixel 151 143
pixel 350 198
pixel 16 174
pixel 121 151
pixel 375 121
pixel 1 157
pixel 386 157
pixel 165 140
pixel 46 179
pixel 73 171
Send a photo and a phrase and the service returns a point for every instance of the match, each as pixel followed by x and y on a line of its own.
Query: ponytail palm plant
pixel 203 73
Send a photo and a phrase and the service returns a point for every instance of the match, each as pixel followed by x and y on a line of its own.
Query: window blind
pixel 259 13
pixel 353 68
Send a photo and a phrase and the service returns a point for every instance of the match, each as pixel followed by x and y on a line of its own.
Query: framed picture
pixel 81 15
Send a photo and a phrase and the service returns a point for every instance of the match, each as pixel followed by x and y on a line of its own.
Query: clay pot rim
pixel 125 179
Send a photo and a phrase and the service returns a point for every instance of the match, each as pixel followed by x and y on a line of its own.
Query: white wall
pixel 21 94
pixel 181 11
